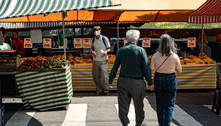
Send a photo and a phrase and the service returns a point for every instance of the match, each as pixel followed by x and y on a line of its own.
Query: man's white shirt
pixel 99 47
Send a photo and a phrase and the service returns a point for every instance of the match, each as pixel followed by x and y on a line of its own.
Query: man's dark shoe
pixel 99 93
pixel 106 93
pixel 140 124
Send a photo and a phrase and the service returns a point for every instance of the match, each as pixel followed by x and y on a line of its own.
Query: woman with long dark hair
pixel 165 63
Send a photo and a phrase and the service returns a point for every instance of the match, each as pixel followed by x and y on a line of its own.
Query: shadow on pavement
pixel 34 122
pixel 153 105
pixel 194 104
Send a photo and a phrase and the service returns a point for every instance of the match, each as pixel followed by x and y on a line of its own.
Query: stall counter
pixel 202 76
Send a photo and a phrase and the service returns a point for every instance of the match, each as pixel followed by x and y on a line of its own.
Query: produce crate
pixel 45 89
pixel 193 77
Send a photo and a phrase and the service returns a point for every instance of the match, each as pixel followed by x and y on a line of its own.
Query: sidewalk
pixel 191 109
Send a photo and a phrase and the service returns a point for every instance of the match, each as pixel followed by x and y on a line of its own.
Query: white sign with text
pixel 46 42
pixel 146 43
pixel 27 43
pixel 78 43
pixel 191 42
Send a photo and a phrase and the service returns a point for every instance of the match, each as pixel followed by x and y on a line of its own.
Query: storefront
pixel 196 69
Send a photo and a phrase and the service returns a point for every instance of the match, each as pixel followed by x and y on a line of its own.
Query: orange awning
pixel 124 16
pixel 129 11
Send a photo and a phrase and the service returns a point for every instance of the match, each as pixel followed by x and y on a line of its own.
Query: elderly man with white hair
pixel 134 67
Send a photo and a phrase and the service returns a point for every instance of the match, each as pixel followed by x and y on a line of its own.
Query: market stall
pixel 198 73
pixel 210 12
pixel 81 72
pixel 45 84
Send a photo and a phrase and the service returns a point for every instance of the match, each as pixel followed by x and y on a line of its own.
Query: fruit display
pixel 41 62
pixel 202 58
pixel 87 59
pixel 30 64
pixel 111 59
pixel 54 63
pixel 78 59
pixel 73 60
pixel 57 61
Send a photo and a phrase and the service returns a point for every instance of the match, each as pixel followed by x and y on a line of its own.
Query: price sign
pixel 78 43
pixel 66 41
pixel 146 43
pixel 191 42
pixel 46 42
pixel 125 41
pixel 27 43
pixel 87 42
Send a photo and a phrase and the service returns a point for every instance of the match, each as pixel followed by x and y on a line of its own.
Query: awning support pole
pixel 63 16
pixel 118 33
pixel 202 39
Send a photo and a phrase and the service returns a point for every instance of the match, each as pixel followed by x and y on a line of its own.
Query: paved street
pixel 192 109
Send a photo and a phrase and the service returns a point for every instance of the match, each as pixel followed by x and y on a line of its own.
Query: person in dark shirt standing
pixel 134 66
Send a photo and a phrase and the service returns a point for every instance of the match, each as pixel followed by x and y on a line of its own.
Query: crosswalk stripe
pixel 89 113
pixel 131 114
pixel 20 118
pixel 76 115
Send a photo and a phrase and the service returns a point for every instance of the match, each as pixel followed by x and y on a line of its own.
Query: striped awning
pixel 27 25
pixel 209 12
pixel 19 8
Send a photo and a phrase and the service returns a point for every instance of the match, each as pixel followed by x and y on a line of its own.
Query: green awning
pixel 19 8
pixel 177 25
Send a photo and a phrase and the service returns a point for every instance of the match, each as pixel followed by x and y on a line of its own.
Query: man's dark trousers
pixel 129 88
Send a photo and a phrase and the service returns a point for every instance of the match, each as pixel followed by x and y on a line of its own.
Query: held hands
pixel 110 85
pixel 151 87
